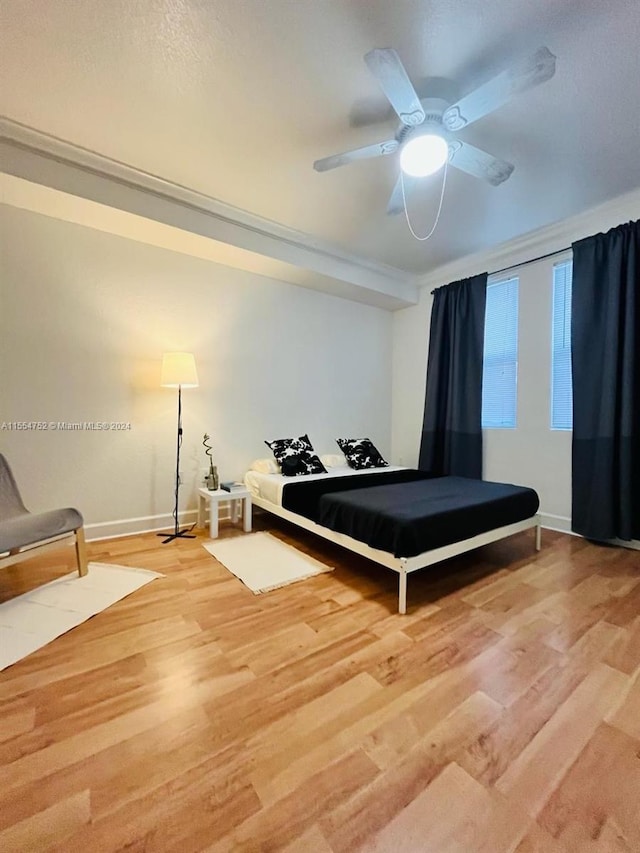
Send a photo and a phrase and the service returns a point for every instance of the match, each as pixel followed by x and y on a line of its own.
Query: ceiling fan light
pixel 423 155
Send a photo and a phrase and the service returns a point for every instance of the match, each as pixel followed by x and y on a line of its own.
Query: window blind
pixel 500 363
pixel 561 386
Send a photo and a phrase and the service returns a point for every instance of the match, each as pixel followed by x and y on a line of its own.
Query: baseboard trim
pixel 145 524
pixel 633 544
pixel 560 523
pixel 155 523
pixel 563 525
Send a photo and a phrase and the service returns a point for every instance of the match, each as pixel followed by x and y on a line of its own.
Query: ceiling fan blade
pixel 386 66
pixel 532 71
pixel 396 201
pixel 478 163
pixel 376 150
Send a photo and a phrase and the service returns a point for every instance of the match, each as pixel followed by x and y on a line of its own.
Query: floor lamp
pixel 178 371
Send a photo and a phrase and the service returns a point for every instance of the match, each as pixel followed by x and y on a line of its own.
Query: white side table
pixel 214 498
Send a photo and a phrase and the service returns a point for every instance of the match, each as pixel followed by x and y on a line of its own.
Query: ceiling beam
pixel 234 237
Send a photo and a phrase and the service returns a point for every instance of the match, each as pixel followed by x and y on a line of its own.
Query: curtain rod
pixel 525 263
pixel 532 260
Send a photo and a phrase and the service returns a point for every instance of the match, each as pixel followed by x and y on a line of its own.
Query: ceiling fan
pixel 426 136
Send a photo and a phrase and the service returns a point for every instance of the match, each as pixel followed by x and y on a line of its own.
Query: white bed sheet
pixel 269 486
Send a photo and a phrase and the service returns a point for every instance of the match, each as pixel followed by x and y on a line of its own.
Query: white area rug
pixel 263 562
pixel 32 620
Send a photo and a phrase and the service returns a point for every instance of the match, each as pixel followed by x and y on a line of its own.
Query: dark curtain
pixel 452 429
pixel 605 352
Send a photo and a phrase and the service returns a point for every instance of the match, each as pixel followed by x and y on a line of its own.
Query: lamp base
pixel 179 534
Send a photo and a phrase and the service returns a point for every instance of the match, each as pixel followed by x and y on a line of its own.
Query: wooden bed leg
pixel 81 552
pixel 538 537
pixel 402 599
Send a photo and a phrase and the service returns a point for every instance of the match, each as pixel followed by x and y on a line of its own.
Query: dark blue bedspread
pixel 412 514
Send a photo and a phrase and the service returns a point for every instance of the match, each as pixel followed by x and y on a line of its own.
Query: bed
pixel 399 517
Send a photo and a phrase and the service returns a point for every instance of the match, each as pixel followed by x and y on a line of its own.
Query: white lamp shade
pixel 423 155
pixel 179 370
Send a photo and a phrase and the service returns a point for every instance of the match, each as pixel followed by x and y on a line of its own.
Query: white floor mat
pixel 34 619
pixel 263 562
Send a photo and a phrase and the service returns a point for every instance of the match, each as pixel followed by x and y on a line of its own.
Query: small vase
pixel 212 479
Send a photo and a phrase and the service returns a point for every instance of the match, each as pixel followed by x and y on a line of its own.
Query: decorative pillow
pixel 264 466
pixel 279 445
pixel 296 456
pixel 361 453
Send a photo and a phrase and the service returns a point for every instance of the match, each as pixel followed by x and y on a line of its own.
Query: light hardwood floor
pixel 502 713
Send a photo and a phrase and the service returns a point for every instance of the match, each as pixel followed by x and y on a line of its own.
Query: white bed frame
pixel 402 565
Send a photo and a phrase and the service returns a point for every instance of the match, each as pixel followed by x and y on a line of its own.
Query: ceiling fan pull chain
pixel 406 212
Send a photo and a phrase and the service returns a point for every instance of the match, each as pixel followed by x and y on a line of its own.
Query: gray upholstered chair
pixel 23 534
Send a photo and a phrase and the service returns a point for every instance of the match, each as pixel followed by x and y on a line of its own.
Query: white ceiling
pixel 237 98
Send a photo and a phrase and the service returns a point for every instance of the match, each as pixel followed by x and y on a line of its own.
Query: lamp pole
pixel 178 369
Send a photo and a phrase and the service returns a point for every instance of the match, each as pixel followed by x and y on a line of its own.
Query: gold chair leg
pixel 81 552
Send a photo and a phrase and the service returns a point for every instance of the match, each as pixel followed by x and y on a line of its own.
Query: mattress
pixel 306 498
pixel 270 487
pixel 407 512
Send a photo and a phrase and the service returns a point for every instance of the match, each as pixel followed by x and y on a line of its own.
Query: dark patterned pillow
pixel 279 445
pixel 361 453
pixel 296 456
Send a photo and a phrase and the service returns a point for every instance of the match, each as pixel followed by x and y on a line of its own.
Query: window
pixel 561 386
pixel 500 364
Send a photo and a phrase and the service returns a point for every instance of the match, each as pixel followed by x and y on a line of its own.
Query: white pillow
pixel 334 460
pixel 264 466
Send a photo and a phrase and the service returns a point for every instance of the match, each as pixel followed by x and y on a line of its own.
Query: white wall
pixel 84 319
pixel 532 454
pixel 409 370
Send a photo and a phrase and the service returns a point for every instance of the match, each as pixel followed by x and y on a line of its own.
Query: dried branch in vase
pixel 212 477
